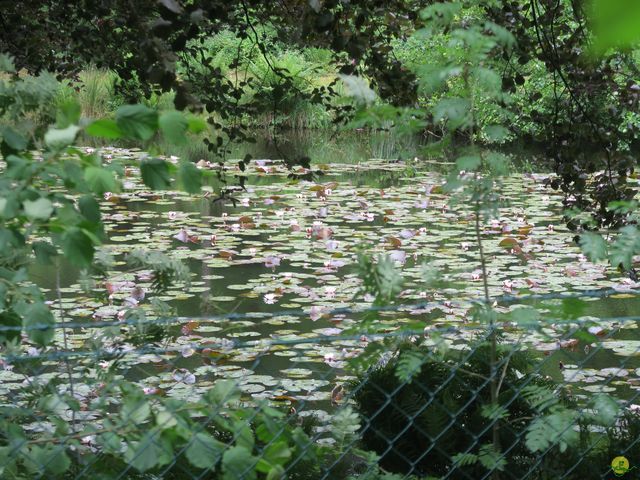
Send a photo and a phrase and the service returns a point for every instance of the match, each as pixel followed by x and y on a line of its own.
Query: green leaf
pixel 625 246
pixel 409 365
pixel 135 410
pixel 607 409
pixel 58 138
pixel 40 209
pixel 53 459
pixel 155 173
pixel 496 133
pixel 137 121
pixel 190 177
pixel 223 392
pixel 498 163
pixel 100 180
pixel 174 127
pixel 237 462
pixel 277 453
pixel 89 208
pixel 553 429
pixel 455 110
pixel 145 454
pixel 13 139
pixel 6 63
pixel 277 472
pixel 78 247
pixel 469 163
pixel 58 462
pixel 196 124
pixel 104 128
pixel 38 321
pixel 593 246
pixel 359 89
pixel 111 442
pixel 527 317
pixel 43 252
pixel 9 318
pixel 615 24
pixel 68 114
pixel 204 451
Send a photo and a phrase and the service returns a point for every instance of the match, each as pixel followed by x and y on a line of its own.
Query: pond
pixel 292 246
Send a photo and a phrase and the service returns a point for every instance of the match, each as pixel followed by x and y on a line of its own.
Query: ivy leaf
pixel 78 247
pixel 204 451
pixel 155 173
pixel 100 180
pixel 40 209
pixel 174 127
pixel 593 246
pixel 38 321
pixel 104 128
pixel 58 138
pixel 137 121
pixel 190 177
pixel 237 462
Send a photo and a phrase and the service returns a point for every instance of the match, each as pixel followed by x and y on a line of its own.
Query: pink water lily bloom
pixel 271 261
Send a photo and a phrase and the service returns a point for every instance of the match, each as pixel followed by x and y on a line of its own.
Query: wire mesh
pixel 554 398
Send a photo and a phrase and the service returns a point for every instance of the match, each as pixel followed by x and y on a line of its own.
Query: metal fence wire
pixel 550 398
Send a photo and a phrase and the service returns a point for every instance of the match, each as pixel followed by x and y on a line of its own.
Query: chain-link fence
pixel 522 395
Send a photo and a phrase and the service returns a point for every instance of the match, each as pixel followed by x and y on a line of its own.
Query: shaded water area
pixel 291 245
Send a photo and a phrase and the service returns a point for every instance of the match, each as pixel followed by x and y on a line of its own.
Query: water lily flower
pixel 138 293
pixel 270 298
pixel 316 312
pixel 398 256
pixel 182 236
pixel 184 376
pixel 406 233
pixel 271 261
pixel 330 292
pixel 332 245
pixel 187 351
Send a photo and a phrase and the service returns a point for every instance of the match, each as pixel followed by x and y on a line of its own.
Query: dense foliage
pixel 496 72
